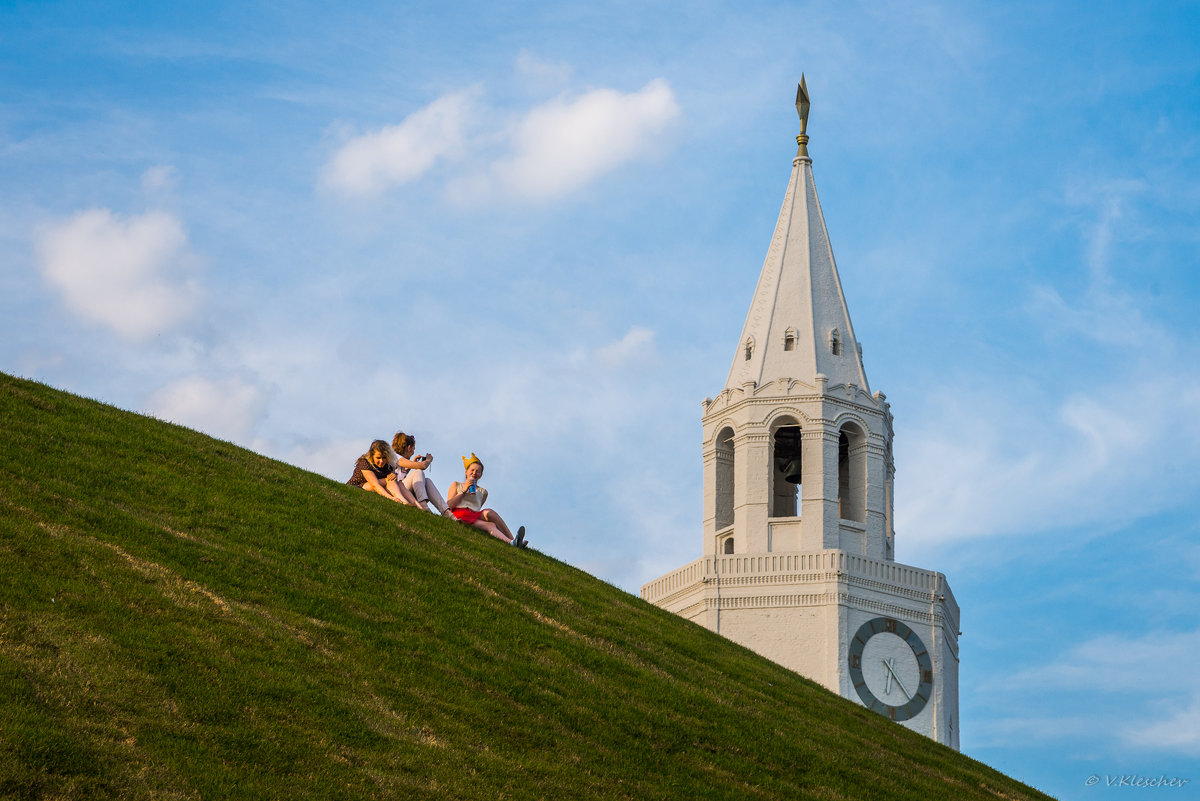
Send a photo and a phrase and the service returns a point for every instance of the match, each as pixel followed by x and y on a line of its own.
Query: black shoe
pixel 520 540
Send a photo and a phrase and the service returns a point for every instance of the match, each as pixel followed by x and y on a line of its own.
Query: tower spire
pixel 802 107
pixel 798 326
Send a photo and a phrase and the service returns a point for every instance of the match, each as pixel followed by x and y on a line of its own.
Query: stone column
pixel 751 461
pixel 876 510
pixel 709 502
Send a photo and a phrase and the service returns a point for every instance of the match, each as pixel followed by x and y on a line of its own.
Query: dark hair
pixel 402 441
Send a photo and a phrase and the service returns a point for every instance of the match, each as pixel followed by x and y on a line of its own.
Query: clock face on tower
pixel 890 668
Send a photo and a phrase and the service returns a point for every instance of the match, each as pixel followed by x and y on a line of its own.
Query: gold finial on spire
pixel 802 106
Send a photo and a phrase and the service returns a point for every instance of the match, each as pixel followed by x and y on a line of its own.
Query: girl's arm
pixel 374 485
pixel 411 465
pixel 455 491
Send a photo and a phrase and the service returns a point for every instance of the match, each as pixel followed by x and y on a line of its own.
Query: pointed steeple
pixel 798 325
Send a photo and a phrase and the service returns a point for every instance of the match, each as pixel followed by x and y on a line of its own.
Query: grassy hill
pixel 181 618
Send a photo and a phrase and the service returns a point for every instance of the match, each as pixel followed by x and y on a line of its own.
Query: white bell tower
pixel 798 530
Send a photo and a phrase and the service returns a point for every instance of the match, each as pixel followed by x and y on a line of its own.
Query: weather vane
pixel 802 106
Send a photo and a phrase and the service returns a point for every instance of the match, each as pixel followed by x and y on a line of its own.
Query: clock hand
pixel 888 663
pixel 892 675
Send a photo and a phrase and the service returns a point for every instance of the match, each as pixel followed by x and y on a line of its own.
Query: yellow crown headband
pixel 473 460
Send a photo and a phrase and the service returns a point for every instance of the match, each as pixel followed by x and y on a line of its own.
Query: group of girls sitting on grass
pixel 393 473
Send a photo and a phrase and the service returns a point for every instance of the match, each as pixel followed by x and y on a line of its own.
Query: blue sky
pixel 532 231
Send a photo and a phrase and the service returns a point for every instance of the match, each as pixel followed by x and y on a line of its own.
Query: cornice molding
pixel 725 403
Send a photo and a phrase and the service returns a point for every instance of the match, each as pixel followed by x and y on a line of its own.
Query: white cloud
pixel 227 408
pixel 535 71
pixel 637 345
pixel 566 143
pixel 1177 729
pixel 1112 203
pixel 331 457
pixel 397 154
pixel 1008 456
pixel 549 151
pixel 1006 459
pixel 127 274
pixel 1106 317
pixel 1158 662
pixel 159 179
pixel 1053 726
pixel 1103 312
pixel 1154 672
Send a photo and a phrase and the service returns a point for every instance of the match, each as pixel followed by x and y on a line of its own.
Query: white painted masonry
pixel 798 536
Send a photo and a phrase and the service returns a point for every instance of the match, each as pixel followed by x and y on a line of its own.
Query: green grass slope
pixel 181 618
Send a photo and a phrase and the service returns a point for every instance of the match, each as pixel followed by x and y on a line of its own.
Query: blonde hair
pixel 378 446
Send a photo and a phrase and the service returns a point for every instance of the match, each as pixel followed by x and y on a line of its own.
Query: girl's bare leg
pixel 491 516
pixel 400 492
pixel 492 529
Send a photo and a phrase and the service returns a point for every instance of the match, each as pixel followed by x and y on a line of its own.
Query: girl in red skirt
pixel 466 504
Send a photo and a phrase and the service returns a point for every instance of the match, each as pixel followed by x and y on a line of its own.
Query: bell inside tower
pixel 787 473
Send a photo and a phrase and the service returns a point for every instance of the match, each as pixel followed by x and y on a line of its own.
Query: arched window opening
pixel 729 545
pixel 835 342
pixel 786 471
pixel 789 339
pixel 724 478
pixel 852 474
pixel 749 348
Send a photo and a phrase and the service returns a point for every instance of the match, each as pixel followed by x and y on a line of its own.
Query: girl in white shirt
pixel 411 473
